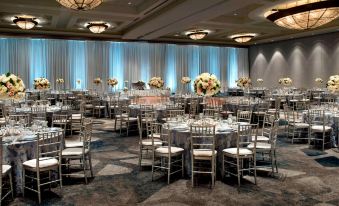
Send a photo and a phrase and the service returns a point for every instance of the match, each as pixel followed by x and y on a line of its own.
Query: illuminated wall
pixel 302 59
pixel 85 60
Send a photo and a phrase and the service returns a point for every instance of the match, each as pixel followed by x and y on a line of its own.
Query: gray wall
pixel 302 59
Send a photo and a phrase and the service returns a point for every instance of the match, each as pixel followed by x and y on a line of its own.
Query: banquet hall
pixel 169 102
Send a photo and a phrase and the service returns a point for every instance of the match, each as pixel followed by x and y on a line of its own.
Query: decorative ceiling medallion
pixel 81 5
pixel 25 22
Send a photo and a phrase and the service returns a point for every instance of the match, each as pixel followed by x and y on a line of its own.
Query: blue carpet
pixel 330 161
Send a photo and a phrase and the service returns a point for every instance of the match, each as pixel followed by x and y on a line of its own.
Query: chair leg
pixel 39 189
pixel 182 165
pixel 169 171
pixel 90 164
pixel 223 167
pixel 192 169
pixel 238 172
pixel 275 161
pixel 140 157
pixel 153 162
pixel 11 184
pixel 255 170
pixel 84 168
pixel 23 182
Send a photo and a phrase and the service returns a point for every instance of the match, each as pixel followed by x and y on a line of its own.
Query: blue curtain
pixel 132 61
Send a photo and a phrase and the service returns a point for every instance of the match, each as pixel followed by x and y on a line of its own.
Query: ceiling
pixel 154 20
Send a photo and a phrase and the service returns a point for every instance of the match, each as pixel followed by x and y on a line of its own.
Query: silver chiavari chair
pixel 6 180
pixel 48 158
pixel 173 115
pixel 203 151
pixel 320 129
pixel 234 158
pixel 167 157
pixel 244 116
pixel 82 152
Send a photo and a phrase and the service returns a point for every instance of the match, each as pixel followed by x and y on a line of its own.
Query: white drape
pixel 85 60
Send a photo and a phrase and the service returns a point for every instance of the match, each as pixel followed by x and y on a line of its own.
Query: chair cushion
pixel 320 128
pixel 261 138
pixel 58 121
pixel 203 152
pixel 299 125
pixel 5 169
pixel 242 151
pixel 155 135
pixel 260 145
pixel 73 151
pixel 148 142
pixel 76 116
pixel 164 150
pixel 88 106
pixel 119 115
pixel 43 162
pixel 73 144
pixel 99 107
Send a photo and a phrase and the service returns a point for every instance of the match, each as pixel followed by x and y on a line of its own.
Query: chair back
pixel 155 129
pixel 49 145
pixel 211 113
pixel 246 132
pixel 193 107
pixel 316 117
pixel 268 125
pixel 22 118
pixel 203 137
pixel 174 114
pixel 86 133
pixel 244 116
pixel 60 119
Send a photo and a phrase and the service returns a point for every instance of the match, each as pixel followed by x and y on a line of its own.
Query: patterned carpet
pixel 303 179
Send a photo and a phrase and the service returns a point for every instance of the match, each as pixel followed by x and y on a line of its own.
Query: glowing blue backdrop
pixel 85 60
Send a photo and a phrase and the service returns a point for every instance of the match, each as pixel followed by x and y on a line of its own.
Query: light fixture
pixel 243 37
pixel 304 14
pixel 25 22
pixel 97 27
pixel 81 5
pixel 197 34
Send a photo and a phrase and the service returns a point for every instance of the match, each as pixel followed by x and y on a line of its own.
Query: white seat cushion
pixel 43 162
pixel 119 115
pixel 155 135
pixel 148 142
pixel 76 116
pixel 164 150
pixel 203 152
pixel 299 125
pixel 73 144
pixel 260 145
pixel 58 121
pixel 261 138
pixel 73 151
pixel 88 106
pixel 242 151
pixel 99 107
pixel 320 128
pixel 5 169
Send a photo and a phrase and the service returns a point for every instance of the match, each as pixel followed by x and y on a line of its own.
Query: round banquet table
pixel 17 151
pixel 223 139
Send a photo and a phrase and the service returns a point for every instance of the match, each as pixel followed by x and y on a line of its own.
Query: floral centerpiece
pixel 112 82
pixel 206 85
pixel 125 89
pixel 156 82
pixel 333 83
pixel 60 81
pixel 11 86
pixel 185 80
pixel 319 80
pixel 41 83
pixel 285 81
pixel 78 81
pixel 97 81
pixel 260 81
pixel 244 82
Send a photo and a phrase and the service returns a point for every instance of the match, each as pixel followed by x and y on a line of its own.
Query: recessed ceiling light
pixel 129 3
pixel 235 14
